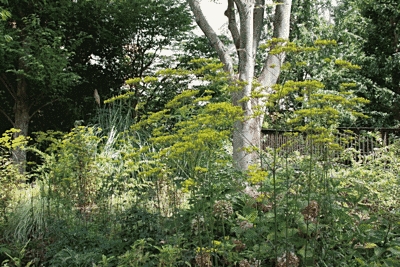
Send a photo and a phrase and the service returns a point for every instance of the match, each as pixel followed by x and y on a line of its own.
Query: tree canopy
pixel 54 55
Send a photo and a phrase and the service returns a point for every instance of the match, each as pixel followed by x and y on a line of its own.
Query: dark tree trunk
pixel 21 122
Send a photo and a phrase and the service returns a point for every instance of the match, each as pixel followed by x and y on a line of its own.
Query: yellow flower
pixel 200 169
pixel 216 243
pixel 188 184
pixel 256 175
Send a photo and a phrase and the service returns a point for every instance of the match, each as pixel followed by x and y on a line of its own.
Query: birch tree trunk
pixel 246 36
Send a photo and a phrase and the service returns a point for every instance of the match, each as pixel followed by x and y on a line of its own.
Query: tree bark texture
pixel 21 121
pixel 246 34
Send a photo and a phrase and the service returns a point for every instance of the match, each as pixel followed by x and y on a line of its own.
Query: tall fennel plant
pixel 302 195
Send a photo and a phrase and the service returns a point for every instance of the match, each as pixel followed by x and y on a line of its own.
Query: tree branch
pixel 282 19
pixel 212 36
pixel 258 23
pixel 272 66
pixel 246 56
pixel 144 66
pixel 232 24
pixel 42 106
pixel 7 85
pixel 8 117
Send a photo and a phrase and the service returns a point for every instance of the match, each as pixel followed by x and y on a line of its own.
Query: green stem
pixel 287 205
pixel 310 167
pixel 274 198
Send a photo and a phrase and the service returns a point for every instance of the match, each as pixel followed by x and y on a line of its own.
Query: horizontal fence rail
pixel 362 139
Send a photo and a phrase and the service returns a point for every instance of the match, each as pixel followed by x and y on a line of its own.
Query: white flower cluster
pixel 288 260
pixel 197 224
pixel 251 263
pixel 222 209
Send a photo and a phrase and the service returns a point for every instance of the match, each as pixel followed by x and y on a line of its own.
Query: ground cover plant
pixel 163 192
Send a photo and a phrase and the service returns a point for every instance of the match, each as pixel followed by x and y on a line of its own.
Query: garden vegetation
pixel 164 192
pixel 150 176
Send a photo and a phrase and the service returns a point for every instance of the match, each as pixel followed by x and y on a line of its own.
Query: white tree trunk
pixel 272 66
pixel 246 36
pixel 245 133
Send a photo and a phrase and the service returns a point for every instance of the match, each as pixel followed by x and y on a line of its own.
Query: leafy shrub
pixel 9 173
pixel 68 257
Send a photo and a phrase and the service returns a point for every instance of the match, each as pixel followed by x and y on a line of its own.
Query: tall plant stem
pixel 310 168
pixel 287 205
pixel 275 208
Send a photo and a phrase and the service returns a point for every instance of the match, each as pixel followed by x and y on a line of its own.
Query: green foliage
pixel 379 176
pixel 136 256
pixel 297 206
pixel 137 106
pixel 35 52
pixel 163 192
pixel 364 34
pixel 64 60
pixel 27 221
pixel 8 143
pixel 374 178
pixel 10 177
pixel 367 30
pixel 17 260
pixel 381 47
pixel 168 255
pixel 5 14
pixel 73 174
pixel 130 47
pixel 69 257
pixel 308 102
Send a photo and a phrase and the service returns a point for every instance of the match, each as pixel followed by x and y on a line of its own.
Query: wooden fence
pixel 363 139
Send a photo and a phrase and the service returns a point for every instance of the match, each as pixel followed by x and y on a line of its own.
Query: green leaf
pixel 302 252
pixel 289 232
pixel 370 245
pixel 8 38
pixel 394 250
pixel 378 251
